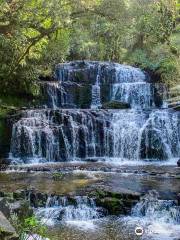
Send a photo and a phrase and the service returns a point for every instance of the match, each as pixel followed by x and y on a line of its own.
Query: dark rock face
pixel 178 199
pixel 6 124
pixel 116 105
pixel 178 163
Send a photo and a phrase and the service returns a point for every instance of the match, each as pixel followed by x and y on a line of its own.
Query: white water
pixel 96 92
pixel 138 94
pixel 160 219
pixel 80 211
pixel 157 133
pixel 48 135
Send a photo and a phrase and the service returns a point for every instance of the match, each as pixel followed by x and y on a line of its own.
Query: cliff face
pixel 6 125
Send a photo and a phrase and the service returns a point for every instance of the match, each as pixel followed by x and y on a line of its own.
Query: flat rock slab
pixel 81 178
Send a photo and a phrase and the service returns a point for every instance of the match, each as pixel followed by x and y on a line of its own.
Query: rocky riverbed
pixel 115 189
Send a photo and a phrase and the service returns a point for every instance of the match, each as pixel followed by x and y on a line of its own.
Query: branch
pixel 92 12
pixel 33 43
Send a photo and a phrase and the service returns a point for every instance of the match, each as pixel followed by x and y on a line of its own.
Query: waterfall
pixel 145 132
pixel 52 93
pixel 126 127
pixel 96 92
pixel 57 95
pixel 78 208
pixel 60 135
pixel 64 135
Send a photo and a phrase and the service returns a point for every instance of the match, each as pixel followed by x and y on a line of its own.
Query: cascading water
pixel 160 219
pixel 144 132
pixel 138 95
pixel 96 92
pixel 50 135
pixel 75 210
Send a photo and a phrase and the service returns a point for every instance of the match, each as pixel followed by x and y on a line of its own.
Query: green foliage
pixel 58 176
pixel 35 35
pixel 160 60
pixel 28 227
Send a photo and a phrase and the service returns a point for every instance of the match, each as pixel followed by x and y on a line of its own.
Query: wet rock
pixel 154 148
pixel 178 163
pixel 114 206
pixel 93 160
pixel 37 199
pixel 116 203
pixel 178 199
pixel 19 195
pixel 7 231
pixel 116 105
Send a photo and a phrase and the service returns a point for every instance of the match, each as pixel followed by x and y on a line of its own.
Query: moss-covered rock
pixel 113 205
pixel 116 105
pixel 115 202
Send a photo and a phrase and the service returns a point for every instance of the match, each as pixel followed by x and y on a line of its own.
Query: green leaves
pixel 37 34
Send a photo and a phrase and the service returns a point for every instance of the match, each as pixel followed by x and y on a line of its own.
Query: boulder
pixel 7 231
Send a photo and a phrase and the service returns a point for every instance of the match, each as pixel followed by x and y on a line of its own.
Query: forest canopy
pixel 36 35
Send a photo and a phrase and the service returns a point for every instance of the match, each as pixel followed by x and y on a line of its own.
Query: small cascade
pixel 138 95
pixel 160 135
pixel 56 95
pixel 160 219
pixel 52 93
pixel 156 210
pixel 126 128
pixel 63 209
pixel 96 92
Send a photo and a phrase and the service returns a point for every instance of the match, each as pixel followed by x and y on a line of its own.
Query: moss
pixel 58 176
pixel 114 205
pixel 116 105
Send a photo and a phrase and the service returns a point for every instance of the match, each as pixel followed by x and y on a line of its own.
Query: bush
pixel 160 60
pixel 28 227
